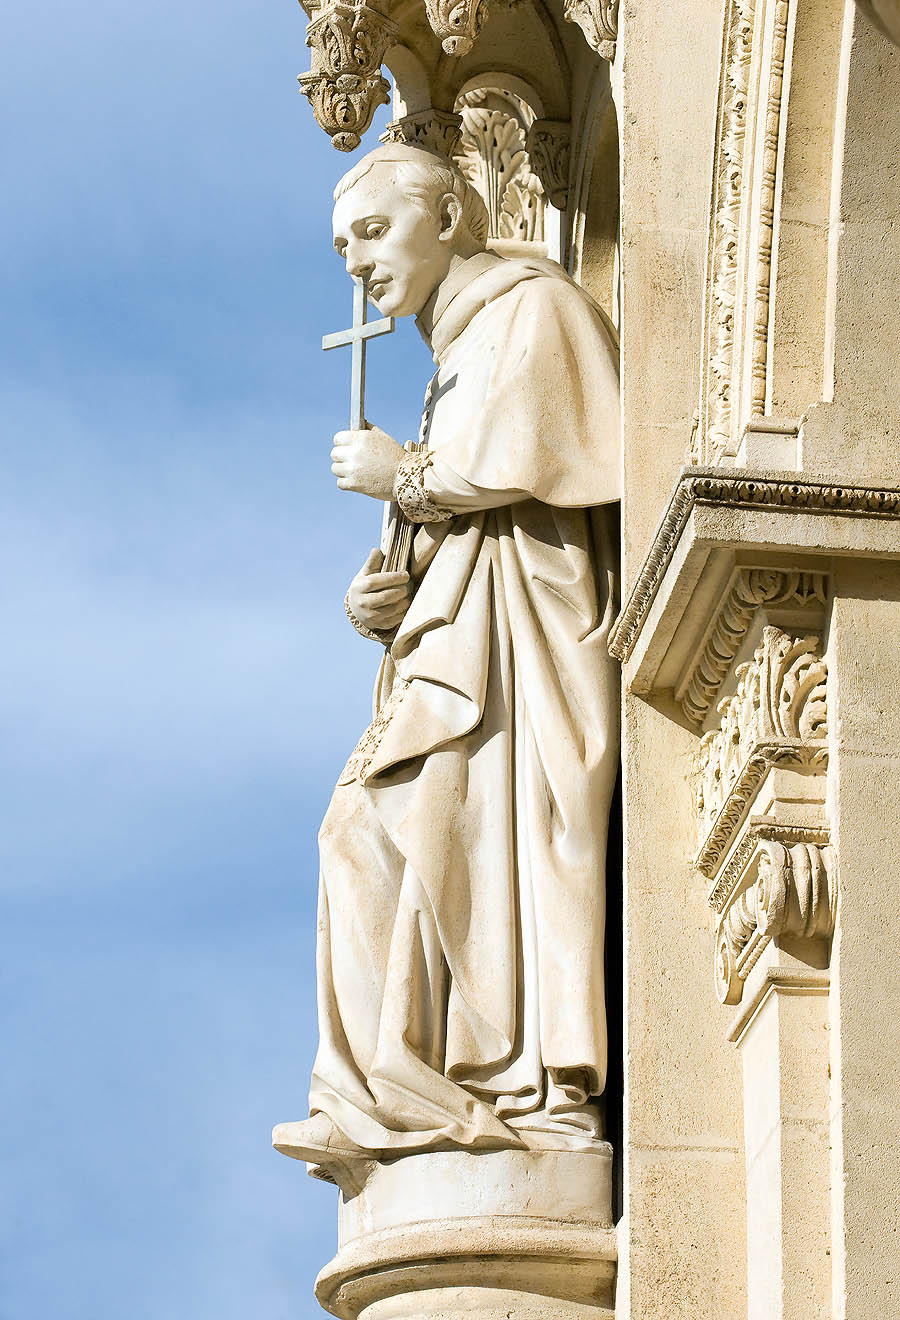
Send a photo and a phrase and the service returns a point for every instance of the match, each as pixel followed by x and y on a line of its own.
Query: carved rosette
pixel 345 84
pixel 549 146
pixel 435 130
pixel 492 155
pixel 456 23
pixel 599 21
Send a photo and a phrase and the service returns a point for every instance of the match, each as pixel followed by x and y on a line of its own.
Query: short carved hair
pixel 424 178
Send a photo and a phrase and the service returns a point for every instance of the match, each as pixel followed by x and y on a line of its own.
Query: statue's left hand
pixel 366 461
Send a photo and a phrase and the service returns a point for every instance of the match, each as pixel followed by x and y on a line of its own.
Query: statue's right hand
pixel 379 600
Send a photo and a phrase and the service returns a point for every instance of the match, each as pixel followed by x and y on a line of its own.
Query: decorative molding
pixel 456 23
pixel 493 156
pixel 345 84
pixel 793 895
pixel 727 197
pixel 599 21
pixel 762 758
pixel 751 589
pixel 743 213
pixel 758 827
pixel 435 130
pixel 549 147
pixel 777 715
pixel 715 487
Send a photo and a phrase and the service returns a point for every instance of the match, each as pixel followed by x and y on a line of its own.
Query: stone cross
pixel 361 331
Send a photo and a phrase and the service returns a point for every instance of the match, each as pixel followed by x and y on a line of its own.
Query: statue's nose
pixel 358 267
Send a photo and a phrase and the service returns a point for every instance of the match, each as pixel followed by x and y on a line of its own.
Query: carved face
pixel 403 248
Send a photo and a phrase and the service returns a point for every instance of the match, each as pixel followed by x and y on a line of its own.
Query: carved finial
pixel 456 23
pixel 549 149
pixel 599 21
pixel 435 130
pixel 345 84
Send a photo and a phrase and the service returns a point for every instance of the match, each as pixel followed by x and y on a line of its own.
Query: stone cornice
pixel 712 486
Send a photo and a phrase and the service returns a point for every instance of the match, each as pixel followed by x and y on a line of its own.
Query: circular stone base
pixel 457 1235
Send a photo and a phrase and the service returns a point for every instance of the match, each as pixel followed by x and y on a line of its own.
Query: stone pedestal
pixel 455 1234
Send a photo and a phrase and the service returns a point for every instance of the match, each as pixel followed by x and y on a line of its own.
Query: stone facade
pixel 725 183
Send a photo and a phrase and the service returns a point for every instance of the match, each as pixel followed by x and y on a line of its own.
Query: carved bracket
pixel 599 21
pixel 549 145
pixel 456 23
pixel 345 84
pixel 792 896
pixel 435 130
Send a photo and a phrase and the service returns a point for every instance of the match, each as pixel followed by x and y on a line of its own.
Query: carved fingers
pixel 366 461
pixel 378 599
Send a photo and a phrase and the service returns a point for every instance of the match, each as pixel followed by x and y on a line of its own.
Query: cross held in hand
pixel 357 336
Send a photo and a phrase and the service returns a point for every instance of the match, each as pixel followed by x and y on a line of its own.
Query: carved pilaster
pixel 599 21
pixel 493 156
pixel 345 84
pixel 549 146
pixel 435 130
pixel 456 23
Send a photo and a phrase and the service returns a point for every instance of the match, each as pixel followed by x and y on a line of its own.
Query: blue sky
pixel 178 684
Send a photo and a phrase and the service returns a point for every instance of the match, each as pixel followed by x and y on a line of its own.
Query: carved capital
pixel 492 155
pixel 456 23
pixel 599 21
pixel 549 148
pixel 345 84
pixel 435 130
pixel 792 895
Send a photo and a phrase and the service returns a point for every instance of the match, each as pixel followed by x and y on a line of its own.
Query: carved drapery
pixel 493 156
pixel 599 21
pixel 435 130
pixel 345 84
pixel 549 147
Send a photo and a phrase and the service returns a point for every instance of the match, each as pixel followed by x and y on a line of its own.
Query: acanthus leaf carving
pixel 345 85
pixel 456 23
pixel 549 149
pixel 599 21
pixel 435 130
pixel 492 155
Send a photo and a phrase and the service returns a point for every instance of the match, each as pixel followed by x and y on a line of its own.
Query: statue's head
pixel 400 217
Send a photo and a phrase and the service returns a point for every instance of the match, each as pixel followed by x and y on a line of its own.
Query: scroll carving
pixel 549 148
pixel 599 21
pixel 753 588
pixel 456 23
pixel 493 156
pixel 345 85
pixel 777 713
pixel 792 896
pixel 435 130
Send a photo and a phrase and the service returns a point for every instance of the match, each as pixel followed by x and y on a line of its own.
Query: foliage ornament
pixel 599 21
pixel 456 23
pixel 345 84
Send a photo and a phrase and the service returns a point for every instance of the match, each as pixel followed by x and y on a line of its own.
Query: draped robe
pixel 461 920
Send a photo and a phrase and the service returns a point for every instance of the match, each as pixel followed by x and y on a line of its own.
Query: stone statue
pixel 461 921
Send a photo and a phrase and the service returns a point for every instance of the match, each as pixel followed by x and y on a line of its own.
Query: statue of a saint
pixel 460 943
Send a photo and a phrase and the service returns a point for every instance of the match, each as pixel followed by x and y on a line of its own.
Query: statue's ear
pixel 451 216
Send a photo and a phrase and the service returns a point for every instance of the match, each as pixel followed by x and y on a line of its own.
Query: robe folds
pixel 461 925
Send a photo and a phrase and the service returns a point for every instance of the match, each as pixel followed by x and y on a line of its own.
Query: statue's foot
pixel 328 1152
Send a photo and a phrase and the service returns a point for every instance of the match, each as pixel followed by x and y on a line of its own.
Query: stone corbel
pixel 435 130
pixel 791 898
pixel 549 150
pixel 599 21
pixel 345 84
pixel 456 23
